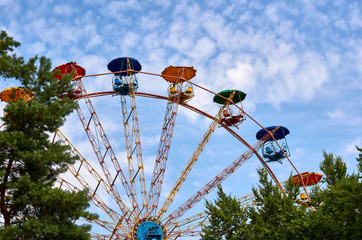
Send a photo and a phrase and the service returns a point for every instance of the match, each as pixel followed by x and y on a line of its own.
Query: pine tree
pixel 359 160
pixel 227 219
pixel 275 215
pixel 30 204
pixel 338 205
pixel 336 212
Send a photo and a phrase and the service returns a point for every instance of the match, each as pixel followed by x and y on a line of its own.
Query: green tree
pixel 31 206
pixel 227 219
pixel 359 160
pixel 338 205
pixel 276 216
pixel 334 211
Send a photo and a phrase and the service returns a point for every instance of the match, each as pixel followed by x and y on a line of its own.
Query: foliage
pixel 227 219
pixel 338 206
pixel 275 215
pixel 31 206
pixel 334 211
pixel 359 160
pixel 334 169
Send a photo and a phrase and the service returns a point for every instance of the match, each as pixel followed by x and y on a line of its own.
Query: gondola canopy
pixel 238 97
pixel 121 64
pixel 279 134
pixel 176 74
pixel 13 94
pixel 309 178
pixel 68 68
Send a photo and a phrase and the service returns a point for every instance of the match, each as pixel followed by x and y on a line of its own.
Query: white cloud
pixel 349 152
pixel 271 13
pixel 130 40
pixel 148 163
pixel 92 3
pixel 150 141
pixel 94 64
pixel 203 49
pixel 38 48
pixel 355 17
pixel 245 17
pixel 4 2
pixel 334 59
pixel 177 38
pixel 64 10
pixel 341 23
pixel 350 147
pixel 336 115
pixel 354 56
pixel 164 4
pixel 242 76
pixel 345 116
pixel 152 21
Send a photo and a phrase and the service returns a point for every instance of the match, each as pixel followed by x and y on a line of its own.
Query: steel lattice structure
pixel 138 213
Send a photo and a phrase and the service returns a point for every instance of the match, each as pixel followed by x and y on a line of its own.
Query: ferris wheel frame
pixel 131 219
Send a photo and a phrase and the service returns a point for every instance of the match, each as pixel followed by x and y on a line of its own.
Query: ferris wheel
pixel 137 211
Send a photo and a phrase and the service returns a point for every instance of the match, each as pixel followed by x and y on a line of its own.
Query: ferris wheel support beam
pixel 178 234
pixel 265 165
pixel 198 196
pixel 100 182
pixel 105 224
pixel 96 200
pixel 281 149
pixel 103 141
pixel 193 160
pixel 162 153
pixel 149 95
pixel 244 142
pixel 161 97
pixel 107 236
pixel 202 217
pixel 187 226
pixel 133 143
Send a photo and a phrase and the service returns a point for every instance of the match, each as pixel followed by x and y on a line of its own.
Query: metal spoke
pixel 214 182
pixel 106 150
pixel 192 161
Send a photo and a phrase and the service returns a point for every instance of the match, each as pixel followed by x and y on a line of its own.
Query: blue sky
pixel 298 61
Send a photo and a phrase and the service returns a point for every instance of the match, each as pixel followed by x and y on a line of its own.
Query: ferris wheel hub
pixel 148 228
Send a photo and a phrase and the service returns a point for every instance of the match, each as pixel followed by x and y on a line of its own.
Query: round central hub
pixel 148 229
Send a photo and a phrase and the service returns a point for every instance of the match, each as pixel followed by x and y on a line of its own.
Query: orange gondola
pixel 177 74
pixel 13 94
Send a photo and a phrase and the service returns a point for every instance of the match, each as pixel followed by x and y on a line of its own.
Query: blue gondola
pixel 122 82
pixel 270 150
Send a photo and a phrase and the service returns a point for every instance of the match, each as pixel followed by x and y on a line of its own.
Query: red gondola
pixel 309 178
